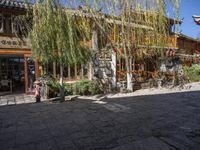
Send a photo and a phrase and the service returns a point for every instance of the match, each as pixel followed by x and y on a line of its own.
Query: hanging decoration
pixel 170 53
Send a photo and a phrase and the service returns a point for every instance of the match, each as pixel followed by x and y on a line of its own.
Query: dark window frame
pixel 1 23
pixel 15 25
pixel 7 24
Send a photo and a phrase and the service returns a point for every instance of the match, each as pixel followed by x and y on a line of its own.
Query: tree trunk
pixel 128 68
pixel 62 94
pixel 114 70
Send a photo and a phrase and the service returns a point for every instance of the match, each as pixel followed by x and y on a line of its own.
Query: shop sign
pixel 8 42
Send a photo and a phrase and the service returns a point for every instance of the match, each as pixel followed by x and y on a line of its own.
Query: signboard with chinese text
pixel 14 43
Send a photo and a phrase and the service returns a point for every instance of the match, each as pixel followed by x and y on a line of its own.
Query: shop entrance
pixel 12 74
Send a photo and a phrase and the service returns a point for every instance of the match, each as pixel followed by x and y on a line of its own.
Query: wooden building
pixel 187 47
pixel 17 68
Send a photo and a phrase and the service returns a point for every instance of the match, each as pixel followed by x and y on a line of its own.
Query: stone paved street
pixel 14 99
pixel 156 122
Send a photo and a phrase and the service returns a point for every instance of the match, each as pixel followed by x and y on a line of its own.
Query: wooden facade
pixel 187 46
pixel 10 45
pixel 15 53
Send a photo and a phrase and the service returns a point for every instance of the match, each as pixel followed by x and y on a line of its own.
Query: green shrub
pixel 53 85
pixel 153 83
pixel 193 73
pixel 54 89
pixel 68 89
pixel 85 87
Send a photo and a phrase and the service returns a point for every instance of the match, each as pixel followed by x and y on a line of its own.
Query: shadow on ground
pixel 157 122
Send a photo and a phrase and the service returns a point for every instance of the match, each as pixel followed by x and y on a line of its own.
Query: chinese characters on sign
pixel 6 42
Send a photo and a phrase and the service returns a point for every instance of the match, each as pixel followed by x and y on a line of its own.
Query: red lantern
pixel 167 53
pixel 171 53
pixel 197 52
pixel 174 53
pixel 115 49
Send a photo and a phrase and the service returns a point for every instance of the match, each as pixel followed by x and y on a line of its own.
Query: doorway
pixel 12 74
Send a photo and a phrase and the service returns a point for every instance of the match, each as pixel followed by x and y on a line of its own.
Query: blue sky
pixel 187 9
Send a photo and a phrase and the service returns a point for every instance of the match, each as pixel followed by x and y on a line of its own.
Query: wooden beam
pixel 15 51
pixel 14 11
pixel 109 20
pixel 165 47
pixel 128 24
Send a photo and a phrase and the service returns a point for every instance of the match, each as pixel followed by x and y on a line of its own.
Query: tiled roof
pixel 12 4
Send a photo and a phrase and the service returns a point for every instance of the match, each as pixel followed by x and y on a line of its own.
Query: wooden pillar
pixel 36 69
pixel 114 34
pixel 82 73
pixel 26 74
pixel 54 70
pixel 75 71
pixel 69 74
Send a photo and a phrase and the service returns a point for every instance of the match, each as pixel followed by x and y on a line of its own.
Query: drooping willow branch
pixel 56 30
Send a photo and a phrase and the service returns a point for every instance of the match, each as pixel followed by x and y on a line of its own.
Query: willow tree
pixel 56 33
pixel 55 36
pixel 138 19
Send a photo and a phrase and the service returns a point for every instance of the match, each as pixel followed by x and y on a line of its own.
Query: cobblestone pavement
pixel 13 99
pixel 159 122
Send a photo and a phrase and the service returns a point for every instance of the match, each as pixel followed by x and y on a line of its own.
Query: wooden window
pixel 4 24
pixel 70 72
pixel 7 24
pixel 10 24
pixel 77 72
pixel 16 25
pixel 1 22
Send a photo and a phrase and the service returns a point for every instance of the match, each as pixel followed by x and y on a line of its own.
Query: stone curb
pixel 55 99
